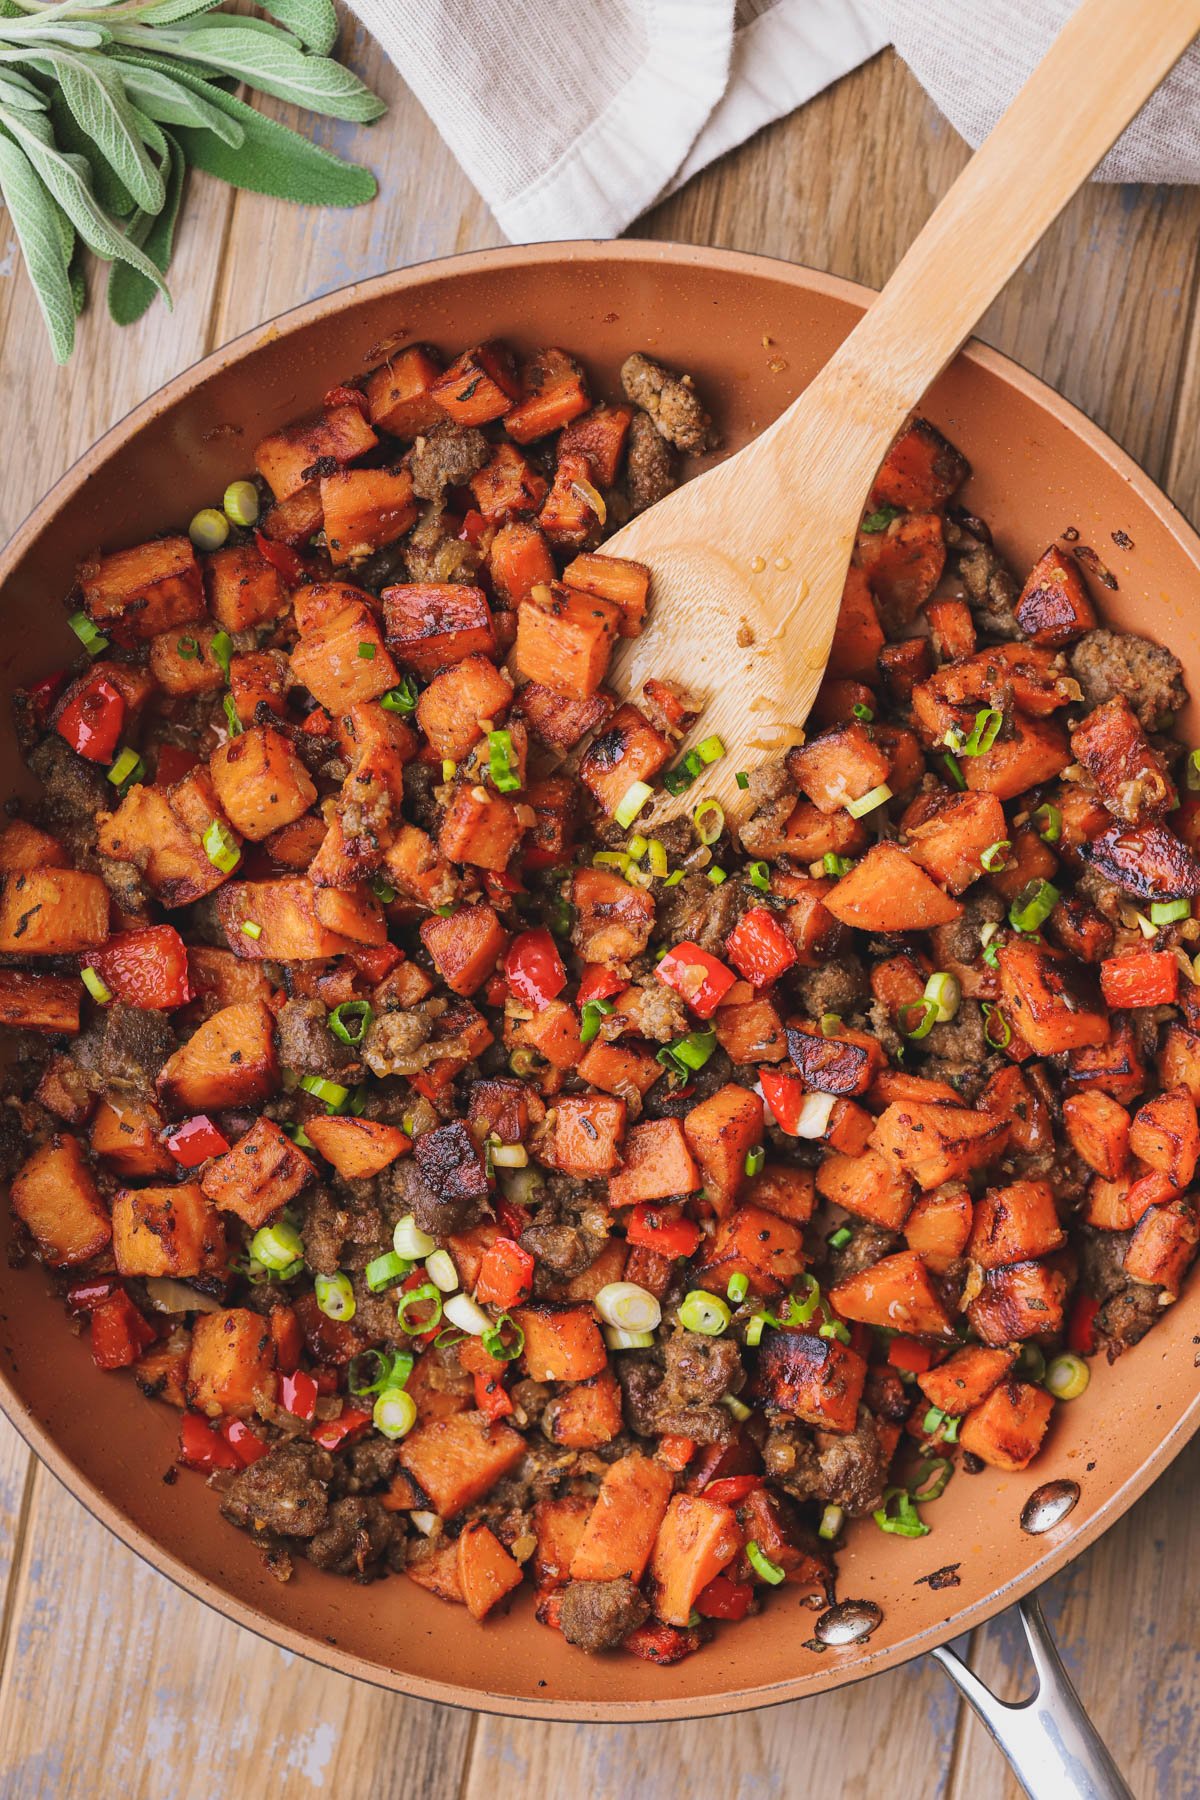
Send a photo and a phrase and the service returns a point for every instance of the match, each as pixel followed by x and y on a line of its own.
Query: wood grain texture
pixel 113 1681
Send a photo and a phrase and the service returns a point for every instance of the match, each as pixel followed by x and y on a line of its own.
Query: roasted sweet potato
pixel 786 1191
pixel 948 837
pixel 357 1148
pixel 364 510
pixel 1163 1246
pixel 621 1530
pixel 56 1199
pixel 126 1136
pixel 1147 861
pixel 1036 751
pixel 814 1379
pixel 39 1002
pixel 628 749
pixel 261 782
pixel 1015 1224
pixel 1114 1068
pixel 287 459
pixel 1179 1060
pixel 921 470
pixel 1006 1429
pixel 171 1231
pixel 939 1226
pixel 343 660
pixel 626 584
pixel 520 560
pixel 244 589
pixel 285 911
pixel 858 635
pixel 585 1137
pixel 951 629
pixel 558 1526
pixel 1165 1135
pixel 1097 1129
pixel 1054 607
pixel 933 1144
pixel 455 1461
pixel 259 1175
pixel 231 1366
pixel 1022 1300
pixel 486 1572
pixel 750 1031
pixel 481 828
pixel 1131 777
pixel 452 709
pixel 562 1343
pixel 437 1569
pixel 134 594
pixel 1050 999
pixel 657 1164
pixel 966 1378
pixel 24 846
pixel 183 662
pixel 587 1415
pixel 51 912
pixel 903 564
pixel 430 626
pixel 479 385
pixel 721 1132
pixel 897 1293
pixel 888 891
pixel 400 393
pixel 767 1250
pixel 564 640
pixel 696 1540
pixel 869 1186
pixel 230 1060
pixel 842 1062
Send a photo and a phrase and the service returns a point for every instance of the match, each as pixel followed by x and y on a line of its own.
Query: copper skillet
pixel 753 331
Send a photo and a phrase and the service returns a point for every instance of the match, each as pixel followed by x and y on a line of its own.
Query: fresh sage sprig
pixel 106 104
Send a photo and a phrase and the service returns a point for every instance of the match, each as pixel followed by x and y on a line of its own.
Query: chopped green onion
pixel 739 1287
pixel 127 769
pixel 366 652
pixel 837 1240
pixel 593 1012
pixel 756 1325
pixel 905 1521
pixel 409 1240
pixel 277 1246
pixel 709 821
pixel 372 1371
pixel 705 1313
pixel 1031 1363
pixel 831 1023
pixel 922 1012
pixel 756 1160
pixel 945 991
pixel 617 1338
pixel 332 1093
pixel 1033 905
pixel 836 865
pixel 251 929
pixel 635 798
pixel 1192 772
pixel 188 648
pixel 401 699
pixel 995 858
pixel 956 774
pixel 208 529
pixel 1166 912
pixel 92 639
pixel 762 1565
pixel 424 1296
pixel 690 1052
pixel 504 1341
pixel 878 796
pixel 1144 926
pixel 1049 823
pixel 502 762
pixel 863 712
pixel 658 858
pixel 710 750
pixel 1067 1377
pixel 383 1270
pixel 441 1271
pixel 637 846
pixel 738 1408
pixel 832 1520
pixel 509 1156
pixel 625 1304
pixel 984 732
pixel 996 1028
pixel 611 859
pixel 449 768
pixel 462 1311
pixel 95 987
pixel 933 1478
pixel 395 1413
pixel 382 889
pixel 933 1418
pixel 297 1134
pixel 717 876
pixel 880 519
pixel 802 1312
pixel 638 878
pixel 742 779
pixel 760 876
pixel 222 650
pixel 358 1100
pixel 232 720
pixel 335 1296
pixel 833 1328
pixel 674 878
pixel 220 847
pixel 240 502
pixel 681 777
pixel 349 1021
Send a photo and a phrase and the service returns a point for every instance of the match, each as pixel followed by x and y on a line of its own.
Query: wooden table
pixel 111 1682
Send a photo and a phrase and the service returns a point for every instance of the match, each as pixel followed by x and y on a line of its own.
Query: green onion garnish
pixel 1192 770
pixel 880 519
pixel 220 847
pixel 251 929
pixel 425 1295
pixel 401 699
pixel 762 1565
pixel 127 769
pixel 984 732
pixel 705 1313
pixel 593 1012
pixel 739 1287
pixel 502 762
pixel 394 1413
pixel 933 1478
pixel 371 1371
pixel 878 796
pixel 756 1160
pixel 277 1246
pixel 996 1028
pixel 831 1023
pixel 674 878
pixel 1049 823
pixel 709 821
pixel 335 1296
pixel 832 1520
pixel 332 1093
pixel 995 858
pixel 836 865
pixel 923 1014
pixel 382 1271
pixel 367 652
pixel 222 650
pixel 688 1053
pixel 802 1312
pixel 904 1520
pixel 95 987
pixel 635 798
pixel 717 876
pixel 710 750
pixel 188 648
pixel 297 1134
pixel 1067 1376
pixel 760 877
pixel 239 502
pixel 837 1240
pixel 89 636
pixel 956 774
pixel 862 712
pixel 382 889
pixel 1166 912
pixel 945 991
pixel 504 1340
pixel 1033 906
pixel 742 779
pixel 232 721
pixel 349 1021
pixel 756 1325
pixel 208 529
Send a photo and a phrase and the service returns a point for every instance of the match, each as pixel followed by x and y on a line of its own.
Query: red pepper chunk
pixel 492 1397
pixel 147 969
pixel 662 1228
pixel 200 1447
pixel 289 563
pixel 784 1094
pixel 701 980
pixel 92 722
pixel 759 948
pixel 1081 1327
pixel 724 1598
pixel 598 983
pixel 119 1332
pixel 43 694
pixel 298 1394
pixel 505 1274
pixel 1144 978
pixel 511 1216
pixel 910 1354
pixel 331 1433
pixel 534 968
pixel 731 1489
pixel 376 962
pixel 195 1141
pixel 86 1296
pixel 246 1444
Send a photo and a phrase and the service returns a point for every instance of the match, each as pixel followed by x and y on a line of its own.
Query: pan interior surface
pixel 753 332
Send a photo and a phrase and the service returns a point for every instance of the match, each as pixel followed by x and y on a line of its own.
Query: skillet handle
pixel 1051 1745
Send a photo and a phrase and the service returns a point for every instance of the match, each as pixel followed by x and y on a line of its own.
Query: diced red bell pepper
pixel 473 526
pixel 200 1447
pixel 759 948
pixel 85 1296
pixel 195 1141
pixel 148 968
pixel 511 1216
pixel 328 1381
pixel 500 884
pixel 1081 1327
pixel 534 968
pixel 724 1598
pixel 298 1394
pixel 119 1332
pixel 172 764
pixel 290 564
pixel 288 1339
pixel 496 990
pixel 732 1489
pixel 662 1228
pixel 784 1094
pixel 92 722
pixel 378 962
pixel 332 1432
pixel 348 396
pixel 1144 978
pixel 246 1444
pixel 910 1354
pixel 676 1452
pixel 492 1397
pixel 698 978
pixel 43 694
pixel 505 1274
pixel 598 983
pixel 318 723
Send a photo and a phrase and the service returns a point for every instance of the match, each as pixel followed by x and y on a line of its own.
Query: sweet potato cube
pixel 400 393
pixel 1006 1429
pixel 289 459
pixel 182 662
pixel 786 1191
pixel 614 919
pixel 285 911
pixel 479 385
pixel 1015 1224
pixel 145 830
pixel 629 749
pixel 453 707
pixel 618 579
pixel 465 947
pixel 696 1540
pixel 562 1343
pixel 767 1250
pixel 858 635
pixel 258 1176
pixel 415 868
pixel 903 564
pixel 1036 752
pixel 161 1371
pixel 1097 1129
pixel 564 640
pixel 1114 1068
pixel 814 1379
pixel 845 1063
pixel 897 1293
pixel 951 629
pixel 939 1226
pixel 437 1571
pixel 56 1199
pixel 559 720
pixel 520 560
pixel 949 842
pixel 1147 861
pixel 809 835
pixel 364 510
pixel 721 1132
pixel 1021 1300
pixel 51 912
pixel 619 1534
pixel 934 1144
pixel 244 589
pixel 456 1461
pixel 620 1069
pixel 353 913
pixel 558 1525
pixel 921 471
pixel 657 1164
pixel 839 766
pixel 481 828
pixel 966 1378
pixel 229 1060
pixel 39 1002
pixel 24 846
pixel 1165 1134
pixel 1131 776
pixel 1054 607
pixel 170 1231
pixel 434 624
pixel 1049 999
pixel 294 520
pixel 342 660
pixel 888 891
pixel 126 1136
pixel 231 1366
pixel 357 1148
pixel 587 1415
pixel 1162 1246
pixel 486 1572
pixel 585 1140
pixel 553 1034
pixel 869 1186
pixel 1179 1060
pixel 261 782
pixel 600 436
pixel 751 1031
pixel 134 594
pixel 507 486
pixel 571 512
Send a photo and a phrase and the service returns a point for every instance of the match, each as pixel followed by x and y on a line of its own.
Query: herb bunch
pixel 106 104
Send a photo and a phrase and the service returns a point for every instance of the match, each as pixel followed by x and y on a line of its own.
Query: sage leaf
pixel 314 22
pixel 103 114
pixel 275 160
pixel 109 189
pixel 166 99
pixel 168 11
pixel 270 62
pixel 33 215
pixel 129 292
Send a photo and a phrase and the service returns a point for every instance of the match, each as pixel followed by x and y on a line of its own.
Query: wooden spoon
pixel 749 559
